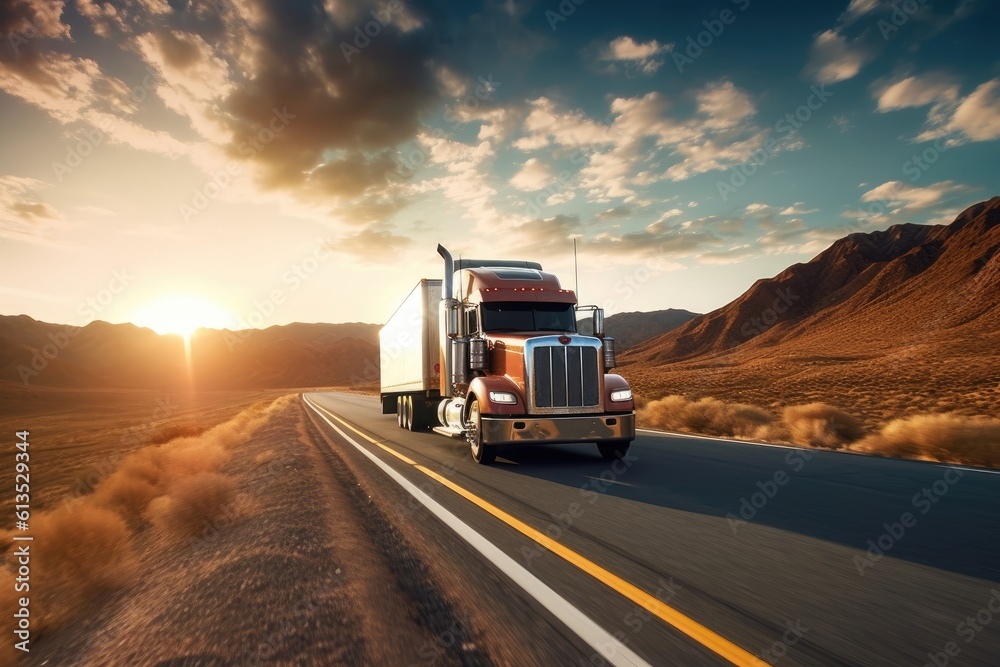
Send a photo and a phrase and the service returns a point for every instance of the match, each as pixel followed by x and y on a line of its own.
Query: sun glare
pixel 181 314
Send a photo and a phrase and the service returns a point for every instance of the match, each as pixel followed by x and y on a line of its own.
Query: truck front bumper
pixel 551 430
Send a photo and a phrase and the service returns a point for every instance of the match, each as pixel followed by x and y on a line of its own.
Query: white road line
pixel 590 632
pixel 988 472
pixel 672 434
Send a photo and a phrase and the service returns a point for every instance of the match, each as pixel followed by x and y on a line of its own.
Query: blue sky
pixel 250 164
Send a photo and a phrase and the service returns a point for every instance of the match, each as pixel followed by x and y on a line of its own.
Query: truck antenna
pixel 576 273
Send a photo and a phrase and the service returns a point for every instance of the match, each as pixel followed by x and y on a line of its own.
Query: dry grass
pixel 821 425
pixel 707 416
pixel 949 438
pixel 81 551
pixel 941 437
pixel 172 490
pixel 191 504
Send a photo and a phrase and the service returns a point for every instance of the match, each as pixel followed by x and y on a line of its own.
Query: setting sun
pixel 182 314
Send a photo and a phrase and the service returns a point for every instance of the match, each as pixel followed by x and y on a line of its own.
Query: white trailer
pixel 410 349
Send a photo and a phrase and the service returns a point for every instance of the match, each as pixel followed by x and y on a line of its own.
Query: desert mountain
pixel 632 328
pixel 103 355
pixel 887 322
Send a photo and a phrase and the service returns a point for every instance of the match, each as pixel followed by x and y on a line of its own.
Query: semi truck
pixel 499 353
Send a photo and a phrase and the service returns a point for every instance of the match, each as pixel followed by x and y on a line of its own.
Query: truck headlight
pixel 503 397
pixel 621 395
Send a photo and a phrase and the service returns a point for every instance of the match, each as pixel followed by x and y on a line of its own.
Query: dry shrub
pixel 946 437
pixel 148 472
pixel 821 425
pixel 191 504
pixel 170 432
pixel 128 496
pixel 80 550
pixel 84 546
pixel 707 416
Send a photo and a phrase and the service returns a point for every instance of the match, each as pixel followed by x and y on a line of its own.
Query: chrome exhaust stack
pixel 449 325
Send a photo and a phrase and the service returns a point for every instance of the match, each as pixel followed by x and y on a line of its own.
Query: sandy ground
pixel 301 568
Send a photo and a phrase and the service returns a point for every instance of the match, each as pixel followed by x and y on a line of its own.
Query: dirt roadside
pixel 303 569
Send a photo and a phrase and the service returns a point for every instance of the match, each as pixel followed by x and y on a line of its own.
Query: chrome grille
pixel 565 376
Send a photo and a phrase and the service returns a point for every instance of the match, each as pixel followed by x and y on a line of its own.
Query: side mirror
pixel 453 320
pixel 599 322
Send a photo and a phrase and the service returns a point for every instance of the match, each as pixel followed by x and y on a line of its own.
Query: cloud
pixel 543 237
pixel 546 124
pixel 496 122
pixel 532 176
pixel 635 56
pixel 667 215
pixel 788 237
pixel 190 78
pixel 372 245
pixel 759 209
pixel 626 153
pixel 614 213
pixel 22 216
pixel 977 117
pixel 664 239
pixel 833 58
pixel 798 209
pixel 914 91
pixel 902 197
pixel 859 8
pixel 465 182
pixel 724 105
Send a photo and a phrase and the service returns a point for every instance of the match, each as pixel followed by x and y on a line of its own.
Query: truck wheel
pixel 614 450
pixel 414 421
pixel 481 453
pixel 399 411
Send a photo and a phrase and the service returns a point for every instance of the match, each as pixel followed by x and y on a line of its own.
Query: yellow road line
pixel 707 638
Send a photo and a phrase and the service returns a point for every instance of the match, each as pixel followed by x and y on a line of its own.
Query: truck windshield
pixel 523 316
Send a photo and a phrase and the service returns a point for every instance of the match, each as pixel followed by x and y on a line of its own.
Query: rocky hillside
pixel 890 322
pixel 629 329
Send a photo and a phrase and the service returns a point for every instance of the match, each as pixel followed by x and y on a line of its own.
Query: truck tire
pixel 481 453
pixel 413 415
pixel 614 450
pixel 399 411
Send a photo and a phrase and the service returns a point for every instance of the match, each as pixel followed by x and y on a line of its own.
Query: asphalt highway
pixel 701 551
